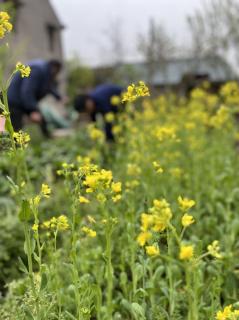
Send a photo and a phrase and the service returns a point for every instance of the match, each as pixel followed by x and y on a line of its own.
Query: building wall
pixel 31 37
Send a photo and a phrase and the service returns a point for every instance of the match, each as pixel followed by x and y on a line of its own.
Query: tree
pixel 156 47
pixel 214 29
pixel 113 47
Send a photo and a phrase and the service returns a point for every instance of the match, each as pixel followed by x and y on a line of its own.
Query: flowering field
pixel 146 228
pixel 143 228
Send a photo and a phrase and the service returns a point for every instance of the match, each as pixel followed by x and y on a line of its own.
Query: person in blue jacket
pixel 25 93
pixel 98 101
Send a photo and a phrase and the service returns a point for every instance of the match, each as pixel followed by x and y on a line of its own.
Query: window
pixel 51 34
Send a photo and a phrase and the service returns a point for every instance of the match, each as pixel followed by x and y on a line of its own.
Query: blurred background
pixel 169 44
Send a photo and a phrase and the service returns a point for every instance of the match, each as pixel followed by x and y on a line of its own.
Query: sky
pixel 88 24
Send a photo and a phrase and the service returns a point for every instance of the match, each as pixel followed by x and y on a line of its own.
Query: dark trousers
pixel 17 113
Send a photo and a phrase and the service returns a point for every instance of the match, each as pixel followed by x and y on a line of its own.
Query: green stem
pixel 170 278
pixel 30 268
pixel 109 275
pixel 9 126
pixel 192 296
pixel 74 259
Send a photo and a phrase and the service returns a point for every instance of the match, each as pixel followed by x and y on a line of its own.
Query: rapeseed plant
pixel 129 245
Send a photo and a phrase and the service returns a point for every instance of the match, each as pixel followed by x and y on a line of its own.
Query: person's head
pixel 55 67
pixel 83 103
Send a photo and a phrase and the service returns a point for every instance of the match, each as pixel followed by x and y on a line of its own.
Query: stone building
pixel 37 31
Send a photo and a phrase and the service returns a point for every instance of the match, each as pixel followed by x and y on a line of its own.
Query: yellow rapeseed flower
pixel 226 314
pixel 89 232
pixel 5 25
pixel 22 138
pixel 91 219
pixel 220 118
pixel 24 70
pixel 35 227
pixel 83 199
pixel 186 252
pixel 135 91
pixel 157 167
pixel 214 249
pixel 95 133
pixel 143 237
pixel 162 214
pixel 187 220
pixel 62 223
pixel 116 198
pixel 152 250
pixel 147 221
pixel 185 203
pixel 164 132
pixel 109 117
pixel 116 187
pixel 115 100
pixel 116 129
pixel 45 190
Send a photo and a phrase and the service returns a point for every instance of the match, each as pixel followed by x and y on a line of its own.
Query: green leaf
pixel 43 281
pixel 70 315
pixel 22 267
pixel 138 311
pixel 25 212
pixel 32 247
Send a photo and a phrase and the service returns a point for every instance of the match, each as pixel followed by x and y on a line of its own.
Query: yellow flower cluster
pixel 98 180
pixel 152 250
pixel 161 213
pixel 155 221
pixel 60 223
pixel 230 93
pixel 5 25
pixel 185 204
pixel 186 252
pixel 21 138
pixel 214 249
pixel 115 100
pixel 165 132
pixel 45 190
pixel 157 167
pixel 198 93
pixel 228 314
pixel 35 227
pixel 220 118
pixel 89 232
pixel 135 91
pixel 83 199
pixel 110 117
pixel 24 70
pixel 101 181
pixel 187 220
pixel 95 133
pixel 116 188
pixel 144 237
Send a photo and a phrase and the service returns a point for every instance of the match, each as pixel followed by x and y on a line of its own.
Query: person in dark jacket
pixel 99 101
pixel 25 93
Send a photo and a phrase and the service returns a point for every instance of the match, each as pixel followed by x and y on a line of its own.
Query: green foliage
pixel 79 77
